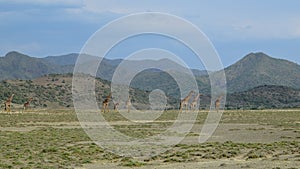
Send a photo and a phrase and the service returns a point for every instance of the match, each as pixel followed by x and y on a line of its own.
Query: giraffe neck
pixel 189 96
pixel 196 98
pixel 108 97
pixel 10 98
pixel 128 102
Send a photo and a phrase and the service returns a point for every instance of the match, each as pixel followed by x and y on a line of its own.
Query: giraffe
pixel 128 104
pixel 7 103
pixel 185 101
pixel 217 103
pixel 195 101
pixel 105 103
pixel 116 106
pixel 27 104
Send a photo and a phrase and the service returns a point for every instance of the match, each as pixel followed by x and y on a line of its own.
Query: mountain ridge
pixel 257 69
pixel 254 69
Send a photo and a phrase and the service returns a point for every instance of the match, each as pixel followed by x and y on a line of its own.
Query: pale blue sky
pixel 236 27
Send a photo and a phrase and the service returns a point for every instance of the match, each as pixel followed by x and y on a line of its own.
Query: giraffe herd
pixel 184 104
pixel 195 102
pixel 105 104
pixel 8 103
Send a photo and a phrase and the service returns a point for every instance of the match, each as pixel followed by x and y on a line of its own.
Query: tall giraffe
pixel 7 103
pixel 218 102
pixel 128 104
pixel 105 103
pixel 185 101
pixel 195 101
pixel 27 104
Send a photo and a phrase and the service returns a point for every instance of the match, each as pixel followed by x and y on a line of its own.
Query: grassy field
pixel 244 139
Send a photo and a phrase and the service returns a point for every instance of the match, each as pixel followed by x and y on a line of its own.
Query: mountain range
pixel 253 70
pixel 256 81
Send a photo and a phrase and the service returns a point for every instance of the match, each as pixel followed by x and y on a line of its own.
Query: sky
pixel 43 28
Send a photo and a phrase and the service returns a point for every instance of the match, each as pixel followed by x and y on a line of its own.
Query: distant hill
pixel 63 60
pixel 257 69
pixel 15 65
pixel 31 67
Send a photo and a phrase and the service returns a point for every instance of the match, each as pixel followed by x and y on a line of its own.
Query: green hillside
pixel 265 97
pixel 15 65
pixel 257 69
pixel 54 91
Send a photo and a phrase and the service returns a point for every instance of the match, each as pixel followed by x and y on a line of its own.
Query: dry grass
pixel 52 144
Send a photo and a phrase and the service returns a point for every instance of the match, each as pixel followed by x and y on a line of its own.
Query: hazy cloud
pixel 225 22
pixel 45 2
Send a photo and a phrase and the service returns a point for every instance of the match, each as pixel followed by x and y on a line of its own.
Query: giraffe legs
pixel 180 108
pixel 128 108
pixel 105 107
pixel 193 106
pixel 7 108
pixel 217 105
pixel 116 107
pixel 183 105
pixel 186 107
pixel 25 108
pixel 102 109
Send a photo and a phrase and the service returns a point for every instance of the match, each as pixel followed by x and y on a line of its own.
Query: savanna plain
pixel 41 138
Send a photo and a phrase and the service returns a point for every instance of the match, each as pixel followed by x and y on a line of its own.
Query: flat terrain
pixel 243 139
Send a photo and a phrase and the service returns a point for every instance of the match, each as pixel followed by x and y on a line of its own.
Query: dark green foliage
pixel 263 97
pixel 59 92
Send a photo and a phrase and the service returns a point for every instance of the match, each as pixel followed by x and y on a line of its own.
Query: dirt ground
pixel 223 164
